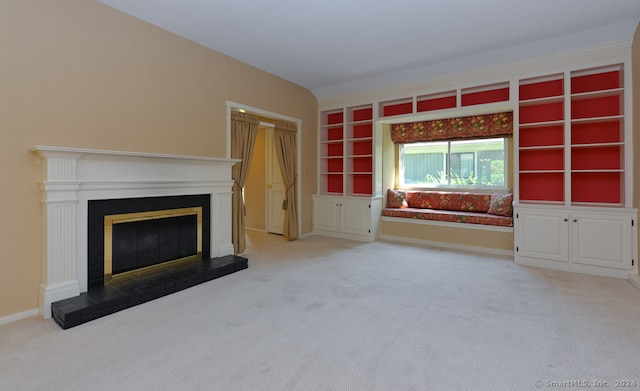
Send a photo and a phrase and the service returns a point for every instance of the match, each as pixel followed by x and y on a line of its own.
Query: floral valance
pixel 475 126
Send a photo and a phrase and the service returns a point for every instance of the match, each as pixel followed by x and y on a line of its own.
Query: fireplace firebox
pixel 150 233
pixel 145 242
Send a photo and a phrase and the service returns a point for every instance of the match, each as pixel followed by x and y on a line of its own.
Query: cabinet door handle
pixel 575 220
pixel 566 219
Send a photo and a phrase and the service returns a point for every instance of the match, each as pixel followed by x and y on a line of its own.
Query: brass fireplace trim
pixel 110 220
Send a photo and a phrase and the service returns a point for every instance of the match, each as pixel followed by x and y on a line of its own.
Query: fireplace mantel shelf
pixel 40 149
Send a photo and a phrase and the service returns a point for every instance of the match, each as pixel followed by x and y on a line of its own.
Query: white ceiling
pixel 333 47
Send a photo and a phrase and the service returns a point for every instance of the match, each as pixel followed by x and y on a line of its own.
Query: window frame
pixel 454 187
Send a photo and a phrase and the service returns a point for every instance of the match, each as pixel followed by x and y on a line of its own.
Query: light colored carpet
pixel 330 314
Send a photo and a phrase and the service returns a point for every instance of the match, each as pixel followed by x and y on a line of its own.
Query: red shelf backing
pixel 542 159
pixel 334 133
pixel 542 187
pixel 362 184
pixel 447 102
pixel 398 108
pixel 542 113
pixel 334 149
pixel 363 114
pixel 596 132
pixel 362 164
pixel 334 183
pixel 595 107
pixel 362 147
pixel 596 82
pixel 542 90
pixel 334 165
pixel 477 98
pixel 596 187
pixel 362 131
pixel 335 118
pixel 600 158
pixel 545 135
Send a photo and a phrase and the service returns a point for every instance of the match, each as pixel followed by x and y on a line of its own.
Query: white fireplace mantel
pixel 72 177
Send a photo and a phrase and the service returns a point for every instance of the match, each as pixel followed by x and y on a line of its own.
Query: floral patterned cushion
pixel 425 199
pixel 501 204
pixel 458 207
pixel 450 216
pixel 396 199
pixel 467 202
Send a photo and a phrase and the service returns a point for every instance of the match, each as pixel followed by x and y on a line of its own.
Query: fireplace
pixel 133 236
pixel 142 243
pixel 125 242
pixel 81 187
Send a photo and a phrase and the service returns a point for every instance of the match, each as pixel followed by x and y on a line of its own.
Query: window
pixel 478 163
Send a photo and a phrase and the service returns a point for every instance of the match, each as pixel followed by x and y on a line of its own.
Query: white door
pixel 275 189
pixel 326 213
pixel 355 217
pixel 602 240
pixel 543 234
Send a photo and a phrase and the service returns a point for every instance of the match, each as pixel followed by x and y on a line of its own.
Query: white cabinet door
pixel 355 217
pixel 326 214
pixel 602 239
pixel 543 234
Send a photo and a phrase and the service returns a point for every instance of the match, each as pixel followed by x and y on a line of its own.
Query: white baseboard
pixel 449 246
pixel 634 279
pixel 18 316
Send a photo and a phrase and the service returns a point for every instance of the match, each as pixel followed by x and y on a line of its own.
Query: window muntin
pixel 464 164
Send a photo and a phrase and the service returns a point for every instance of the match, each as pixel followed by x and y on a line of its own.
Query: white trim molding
pixel 72 177
pixel 19 316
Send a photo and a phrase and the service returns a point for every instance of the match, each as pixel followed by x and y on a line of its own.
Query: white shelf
pixel 541 147
pixel 598 94
pixel 541 124
pixel 597 145
pixel 541 101
pixel 597 119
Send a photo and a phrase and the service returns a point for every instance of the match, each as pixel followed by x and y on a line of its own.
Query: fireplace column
pixel 59 205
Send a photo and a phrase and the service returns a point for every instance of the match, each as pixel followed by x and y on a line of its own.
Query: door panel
pixel 543 235
pixel 275 189
pixel 602 240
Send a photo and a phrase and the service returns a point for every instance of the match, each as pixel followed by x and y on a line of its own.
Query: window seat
pixel 454 207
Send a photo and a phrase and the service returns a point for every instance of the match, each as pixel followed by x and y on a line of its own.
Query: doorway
pixel 289 124
pixel 264 190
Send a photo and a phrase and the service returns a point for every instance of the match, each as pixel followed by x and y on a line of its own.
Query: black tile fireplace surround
pixel 98 209
pixel 101 300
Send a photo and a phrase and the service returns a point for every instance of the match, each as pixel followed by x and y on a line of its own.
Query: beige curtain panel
pixel 284 138
pixel 244 128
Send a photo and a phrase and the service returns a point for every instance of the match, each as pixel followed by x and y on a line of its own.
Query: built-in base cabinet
pixel 354 218
pixel 595 241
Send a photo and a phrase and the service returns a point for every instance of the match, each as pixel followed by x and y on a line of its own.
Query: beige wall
pixel 453 237
pixel 77 73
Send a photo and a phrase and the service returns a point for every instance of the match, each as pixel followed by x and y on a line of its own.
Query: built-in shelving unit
pixel 346 151
pixel 597 136
pixel 541 139
pixel 332 152
pixel 571 213
pixel 359 151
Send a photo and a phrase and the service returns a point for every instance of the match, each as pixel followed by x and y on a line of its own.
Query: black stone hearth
pixel 104 300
